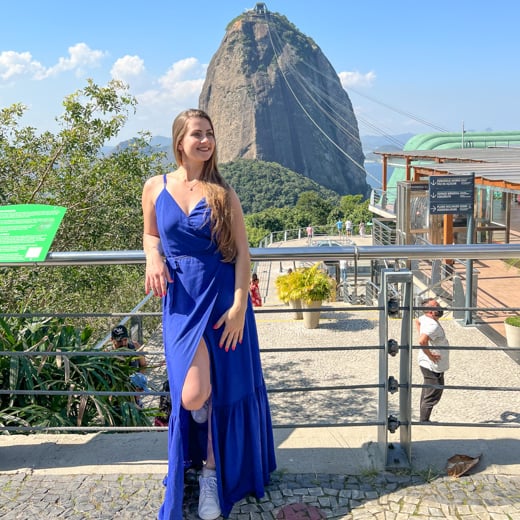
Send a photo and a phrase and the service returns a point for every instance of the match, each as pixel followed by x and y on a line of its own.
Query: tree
pixel 264 185
pixel 312 209
pixel 101 192
pixel 352 207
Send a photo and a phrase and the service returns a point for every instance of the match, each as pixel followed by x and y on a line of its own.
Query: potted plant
pixel 306 287
pixel 287 288
pixel 512 326
pixel 315 287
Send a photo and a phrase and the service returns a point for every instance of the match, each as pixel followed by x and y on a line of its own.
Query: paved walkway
pixel 379 496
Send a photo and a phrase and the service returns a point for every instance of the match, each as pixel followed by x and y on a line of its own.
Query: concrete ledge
pixel 346 450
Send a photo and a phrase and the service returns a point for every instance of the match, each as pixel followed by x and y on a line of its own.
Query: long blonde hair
pixel 216 189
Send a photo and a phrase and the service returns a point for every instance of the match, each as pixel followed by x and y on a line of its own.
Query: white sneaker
pixel 209 506
pixel 201 415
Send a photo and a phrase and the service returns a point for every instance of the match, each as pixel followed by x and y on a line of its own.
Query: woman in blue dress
pixel 197 260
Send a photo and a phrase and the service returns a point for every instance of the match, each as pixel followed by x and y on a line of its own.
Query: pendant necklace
pixel 186 182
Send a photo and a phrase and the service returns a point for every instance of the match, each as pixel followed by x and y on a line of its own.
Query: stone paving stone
pixel 486 497
pixel 331 491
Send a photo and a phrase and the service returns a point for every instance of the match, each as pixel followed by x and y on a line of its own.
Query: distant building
pixel 261 8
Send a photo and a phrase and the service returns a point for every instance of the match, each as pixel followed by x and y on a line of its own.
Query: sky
pixel 408 66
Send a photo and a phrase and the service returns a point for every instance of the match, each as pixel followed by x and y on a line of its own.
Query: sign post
pixel 455 194
pixel 27 231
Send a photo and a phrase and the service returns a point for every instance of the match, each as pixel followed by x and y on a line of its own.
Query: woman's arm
pixel 424 342
pixel 156 271
pixel 235 316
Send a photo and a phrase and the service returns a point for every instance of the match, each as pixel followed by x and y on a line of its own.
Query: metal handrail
pixel 409 252
pixel 462 251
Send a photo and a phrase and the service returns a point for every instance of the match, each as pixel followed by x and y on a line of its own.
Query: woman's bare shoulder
pixel 153 186
pixel 152 182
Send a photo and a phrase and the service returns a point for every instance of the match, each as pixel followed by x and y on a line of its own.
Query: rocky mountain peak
pixel 274 96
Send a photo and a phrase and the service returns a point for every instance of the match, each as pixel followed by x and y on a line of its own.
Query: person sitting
pixel 121 341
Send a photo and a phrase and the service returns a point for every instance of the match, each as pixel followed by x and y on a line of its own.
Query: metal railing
pixel 305 254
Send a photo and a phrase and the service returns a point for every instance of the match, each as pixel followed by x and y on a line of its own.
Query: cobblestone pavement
pixel 383 496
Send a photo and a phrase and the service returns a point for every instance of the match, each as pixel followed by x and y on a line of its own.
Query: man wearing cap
pixel 120 340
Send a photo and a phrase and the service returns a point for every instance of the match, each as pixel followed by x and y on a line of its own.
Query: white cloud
pixel 128 68
pixel 17 64
pixel 180 85
pixel 14 64
pixel 163 98
pixel 160 98
pixel 181 71
pixel 357 79
pixel 81 57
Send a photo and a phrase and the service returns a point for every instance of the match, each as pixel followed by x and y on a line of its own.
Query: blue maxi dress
pixel 202 290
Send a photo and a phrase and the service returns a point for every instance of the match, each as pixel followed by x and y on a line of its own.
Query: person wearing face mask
pixel 432 362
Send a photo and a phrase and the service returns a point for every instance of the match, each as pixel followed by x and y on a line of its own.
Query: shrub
pixel 308 284
pixel 77 372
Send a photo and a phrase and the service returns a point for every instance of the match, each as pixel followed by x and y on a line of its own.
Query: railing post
pixel 137 322
pixel 395 455
pixel 436 272
pixel 458 297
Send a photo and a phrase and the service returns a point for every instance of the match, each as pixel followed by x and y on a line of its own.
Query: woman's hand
pixel 233 320
pixel 157 276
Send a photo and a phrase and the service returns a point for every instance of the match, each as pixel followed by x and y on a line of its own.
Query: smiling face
pixel 197 144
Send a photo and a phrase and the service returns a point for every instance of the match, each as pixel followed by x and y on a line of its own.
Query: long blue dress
pixel 202 290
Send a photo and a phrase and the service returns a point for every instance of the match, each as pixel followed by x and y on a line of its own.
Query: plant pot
pixel 311 319
pixel 296 305
pixel 512 335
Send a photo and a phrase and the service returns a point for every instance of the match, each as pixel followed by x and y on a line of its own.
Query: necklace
pixel 189 185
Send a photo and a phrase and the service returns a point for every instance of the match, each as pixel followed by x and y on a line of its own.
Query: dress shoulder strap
pixel 165 180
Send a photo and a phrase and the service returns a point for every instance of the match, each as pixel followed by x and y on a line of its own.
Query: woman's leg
pixel 197 385
pixel 195 393
pixel 197 390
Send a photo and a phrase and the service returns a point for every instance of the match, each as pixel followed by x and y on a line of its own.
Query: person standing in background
pixel 362 229
pixel 121 341
pixel 254 291
pixel 339 226
pixel 348 227
pixel 310 233
pixel 432 362
pixel 343 265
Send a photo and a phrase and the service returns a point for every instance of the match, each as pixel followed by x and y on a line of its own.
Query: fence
pixel 391 416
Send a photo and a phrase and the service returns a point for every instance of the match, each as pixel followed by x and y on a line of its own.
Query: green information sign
pixel 27 231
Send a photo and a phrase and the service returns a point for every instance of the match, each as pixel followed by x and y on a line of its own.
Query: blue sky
pixel 445 62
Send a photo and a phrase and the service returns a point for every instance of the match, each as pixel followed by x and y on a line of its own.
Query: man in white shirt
pixel 348 227
pixel 432 362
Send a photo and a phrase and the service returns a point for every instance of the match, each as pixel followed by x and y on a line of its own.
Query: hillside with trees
pixel 263 185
